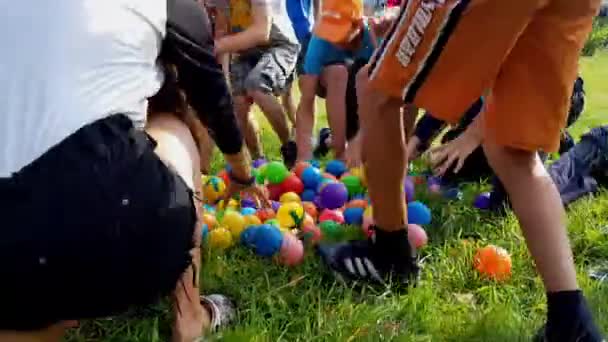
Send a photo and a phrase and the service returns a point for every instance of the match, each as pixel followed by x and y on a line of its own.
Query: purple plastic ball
pixel 275 205
pixel 433 180
pixel 482 201
pixel 247 203
pixel 410 189
pixel 259 162
pixel 317 202
pixel 334 195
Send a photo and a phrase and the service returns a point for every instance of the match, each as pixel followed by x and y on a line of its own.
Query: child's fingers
pixel 459 163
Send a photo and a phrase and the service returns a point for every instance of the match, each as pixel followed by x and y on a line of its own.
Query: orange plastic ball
pixel 310 209
pixel 357 203
pixel 300 167
pixel 493 262
pixel 265 214
pixel 209 220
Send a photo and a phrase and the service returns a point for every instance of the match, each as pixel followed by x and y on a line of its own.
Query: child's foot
pixel 569 320
pixel 324 142
pixel 385 257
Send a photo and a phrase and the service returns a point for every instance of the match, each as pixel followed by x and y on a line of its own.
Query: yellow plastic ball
pixel 220 238
pixel 290 215
pixel 252 220
pixel 213 189
pixel 234 222
pixel 359 172
pixel 233 204
pixel 290 197
pixel 368 212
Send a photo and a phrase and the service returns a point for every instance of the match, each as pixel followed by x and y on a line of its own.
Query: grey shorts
pixel 267 70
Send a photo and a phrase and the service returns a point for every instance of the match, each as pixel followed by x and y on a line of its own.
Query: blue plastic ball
pixel 311 177
pixel 205 232
pixel 336 168
pixel 248 236
pixel 353 215
pixel 209 208
pixel 248 211
pixel 267 240
pixel 418 213
pixel 308 195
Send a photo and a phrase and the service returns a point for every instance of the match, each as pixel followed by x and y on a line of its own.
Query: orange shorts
pixel 523 54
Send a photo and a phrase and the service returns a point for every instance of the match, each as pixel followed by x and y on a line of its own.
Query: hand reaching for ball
pixel 257 193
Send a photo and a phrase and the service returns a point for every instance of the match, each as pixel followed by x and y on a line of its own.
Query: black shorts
pixel 96 225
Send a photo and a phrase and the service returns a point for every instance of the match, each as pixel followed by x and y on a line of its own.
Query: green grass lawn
pixel 451 302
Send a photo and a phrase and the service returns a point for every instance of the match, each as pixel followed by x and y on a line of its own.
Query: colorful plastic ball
pixel 248 211
pixel 300 167
pixel 252 220
pixel 290 215
pixel 265 214
pixel 317 202
pixel 290 197
pixel 292 184
pixel 311 177
pixel 311 234
pixel 310 209
pixel 418 213
pixel 275 205
pixel 353 215
pixel 452 194
pixel 276 172
pixel 314 163
pixel 259 162
pixel 330 229
pixel 274 191
pixel 417 236
pixel 331 215
pixel 209 220
pixel 322 183
pixel 357 203
pixel 329 176
pixel 333 195
pixel 308 195
pixel 209 208
pixel 336 167
pixel 260 178
pixel 220 238
pixel 234 222
pixel 213 189
pixel 359 172
pixel 223 174
pixel 205 232
pixel 493 262
pixel 273 222
pixel 482 201
pixel 267 241
pixel 434 188
pixel 248 235
pixel 248 203
pixel 292 250
pixel 410 189
pixel 353 185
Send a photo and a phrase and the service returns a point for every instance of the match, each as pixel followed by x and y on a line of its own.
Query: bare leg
pixel 274 112
pixel 248 126
pixel 335 79
pixel 206 146
pixel 385 153
pixel 53 333
pixel 538 207
pixel 177 148
pixel 289 105
pixel 305 117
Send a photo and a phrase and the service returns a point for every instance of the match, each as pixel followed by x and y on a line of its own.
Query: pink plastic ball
pixel 417 236
pixel 292 250
pixel 434 188
pixel 331 215
pixel 368 221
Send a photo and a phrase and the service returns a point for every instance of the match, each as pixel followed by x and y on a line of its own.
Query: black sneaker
pixel 581 334
pixel 324 141
pixel 372 261
pixel 289 151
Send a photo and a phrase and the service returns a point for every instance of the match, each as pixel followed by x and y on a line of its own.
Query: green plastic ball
pixel 276 172
pixel 330 229
pixel 353 185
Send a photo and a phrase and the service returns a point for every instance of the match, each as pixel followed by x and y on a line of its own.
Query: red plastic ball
pixel 292 184
pixel 224 176
pixel 331 215
pixel 275 191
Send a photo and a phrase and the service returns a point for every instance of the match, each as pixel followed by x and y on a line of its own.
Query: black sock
pixel 393 243
pixel 568 316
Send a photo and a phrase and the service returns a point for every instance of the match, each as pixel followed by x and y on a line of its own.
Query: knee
pixel 242 105
pixel 511 163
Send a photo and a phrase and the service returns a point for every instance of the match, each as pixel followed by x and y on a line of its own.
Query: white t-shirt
pixel 67 63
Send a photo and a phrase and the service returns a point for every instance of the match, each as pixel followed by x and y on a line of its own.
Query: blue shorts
pixel 321 53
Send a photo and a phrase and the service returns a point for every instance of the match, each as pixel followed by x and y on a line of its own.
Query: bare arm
pixel 257 34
